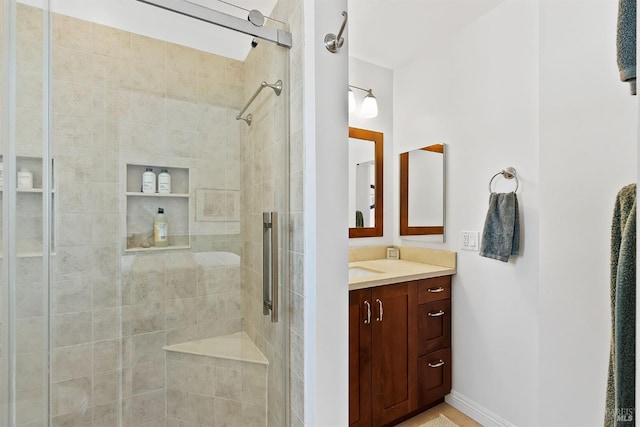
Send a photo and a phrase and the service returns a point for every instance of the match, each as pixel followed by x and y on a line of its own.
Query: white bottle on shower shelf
pixel 25 179
pixel 164 181
pixel 149 181
pixel 160 230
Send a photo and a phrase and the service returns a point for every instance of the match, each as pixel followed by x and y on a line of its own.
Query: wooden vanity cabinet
pixel 399 350
pixel 382 350
pixel 434 340
pixel 360 358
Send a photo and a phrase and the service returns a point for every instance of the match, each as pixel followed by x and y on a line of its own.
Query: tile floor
pixel 447 410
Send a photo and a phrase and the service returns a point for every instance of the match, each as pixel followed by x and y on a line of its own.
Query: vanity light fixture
pixel 352 102
pixel 369 107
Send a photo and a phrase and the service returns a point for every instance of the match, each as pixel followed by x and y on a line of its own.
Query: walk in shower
pixel 101 325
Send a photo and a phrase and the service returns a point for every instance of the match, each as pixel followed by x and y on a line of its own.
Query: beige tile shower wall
pixel 263 156
pixel 209 391
pixel 262 175
pixel 291 11
pixel 123 98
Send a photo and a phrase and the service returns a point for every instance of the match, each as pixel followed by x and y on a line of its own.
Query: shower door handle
pixel 270 264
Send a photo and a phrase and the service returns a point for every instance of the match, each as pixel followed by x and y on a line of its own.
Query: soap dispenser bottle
pixel 160 230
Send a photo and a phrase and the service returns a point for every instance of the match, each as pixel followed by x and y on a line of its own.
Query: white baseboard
pixel 479 413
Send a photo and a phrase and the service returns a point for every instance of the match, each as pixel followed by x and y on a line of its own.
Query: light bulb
pixel 369 107
pixel 352 102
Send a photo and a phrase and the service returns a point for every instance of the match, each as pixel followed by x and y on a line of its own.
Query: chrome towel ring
pixel 508 173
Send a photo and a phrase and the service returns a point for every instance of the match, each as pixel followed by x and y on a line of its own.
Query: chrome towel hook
pixel 508 173
pixel 332 42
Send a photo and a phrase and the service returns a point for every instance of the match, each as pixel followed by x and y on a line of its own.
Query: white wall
pixel 325 221
pixel 531 85
pixel 587 153
pixel 478 94
pixel 370 76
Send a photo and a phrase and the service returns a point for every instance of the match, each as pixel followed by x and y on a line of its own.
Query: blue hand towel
pixel 501 234
pixel 626 42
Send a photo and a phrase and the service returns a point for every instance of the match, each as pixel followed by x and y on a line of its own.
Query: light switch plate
pixel 469 240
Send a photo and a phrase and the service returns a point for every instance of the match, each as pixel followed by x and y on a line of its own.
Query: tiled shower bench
pixel 220 381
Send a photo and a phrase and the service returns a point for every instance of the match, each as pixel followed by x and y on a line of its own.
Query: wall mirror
pixel 365 183
pixel 422 191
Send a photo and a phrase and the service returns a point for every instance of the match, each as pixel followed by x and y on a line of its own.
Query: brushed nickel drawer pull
pixel 380 311
pixel 435 290
pixel 436 365
pixel 368 319
pixel 436 314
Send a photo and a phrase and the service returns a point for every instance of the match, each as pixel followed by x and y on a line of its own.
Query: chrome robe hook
pixel 332 42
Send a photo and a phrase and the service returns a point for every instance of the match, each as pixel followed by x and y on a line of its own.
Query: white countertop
pixel 387 271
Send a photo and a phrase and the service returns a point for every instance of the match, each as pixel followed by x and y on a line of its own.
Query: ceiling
pixel 387 32
pixel 383 32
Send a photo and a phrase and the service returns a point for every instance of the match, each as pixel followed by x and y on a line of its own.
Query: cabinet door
pixel 360 317
pixel 394 369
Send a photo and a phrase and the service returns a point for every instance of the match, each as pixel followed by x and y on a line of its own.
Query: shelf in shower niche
pixel 28 190
pixel 139 194
pixel 141 208
pixel 154 249
pixel 28 255
pixel 179 178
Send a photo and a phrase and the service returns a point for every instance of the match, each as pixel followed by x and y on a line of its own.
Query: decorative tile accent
pixel 217 205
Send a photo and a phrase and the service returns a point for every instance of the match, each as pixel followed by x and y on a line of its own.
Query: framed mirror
pixel 422 191
pixel 365 183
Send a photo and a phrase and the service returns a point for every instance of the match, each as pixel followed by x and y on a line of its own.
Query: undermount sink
pixel 361 272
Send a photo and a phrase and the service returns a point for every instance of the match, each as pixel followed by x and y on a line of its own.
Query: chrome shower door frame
pixel 183 7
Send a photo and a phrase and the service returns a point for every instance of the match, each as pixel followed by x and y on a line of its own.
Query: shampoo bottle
pixel 160 229
pixel 149 181
pixel 25 179
pixel 164 181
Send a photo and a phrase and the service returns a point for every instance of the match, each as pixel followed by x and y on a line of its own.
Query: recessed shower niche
pixel 29 202
pixel 142 208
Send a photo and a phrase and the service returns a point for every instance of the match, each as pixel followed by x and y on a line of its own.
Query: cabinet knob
pixel 437 364
pixel 436 314
pixel 368 319
pixel 435 290
pixel 380 310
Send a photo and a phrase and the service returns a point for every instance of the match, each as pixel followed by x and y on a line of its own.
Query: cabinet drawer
pixel 434 326
pixel 434 376
pixel 435 289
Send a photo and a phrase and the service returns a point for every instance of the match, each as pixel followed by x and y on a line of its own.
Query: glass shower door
pixel 26 202
pixel 99 324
